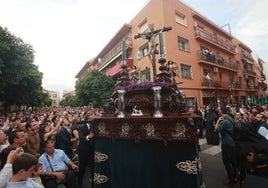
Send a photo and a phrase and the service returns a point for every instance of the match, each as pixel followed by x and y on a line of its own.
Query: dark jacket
pixel 63 141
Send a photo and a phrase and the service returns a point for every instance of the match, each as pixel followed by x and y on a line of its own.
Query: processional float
pixel 143 138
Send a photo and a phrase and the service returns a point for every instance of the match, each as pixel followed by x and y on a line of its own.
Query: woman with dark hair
pixel 48 132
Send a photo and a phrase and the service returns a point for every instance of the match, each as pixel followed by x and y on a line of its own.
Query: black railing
pixel 212 58
pixel 199 32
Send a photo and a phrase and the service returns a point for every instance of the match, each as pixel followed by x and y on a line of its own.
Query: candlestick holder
pixel 157 102
pixel 121 103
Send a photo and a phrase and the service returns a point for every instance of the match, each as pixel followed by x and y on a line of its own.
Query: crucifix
pixel 153 51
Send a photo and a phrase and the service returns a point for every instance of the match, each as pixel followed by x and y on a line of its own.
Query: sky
pixel 65 34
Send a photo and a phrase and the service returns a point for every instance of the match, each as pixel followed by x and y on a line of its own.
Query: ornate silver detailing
pixel 179 130
pixel 157 102
pixel 149 128
pixel 121 103
pixel 100 157
pixel 102 128
pixel 99 179
pixel 125 129
pixel 190 167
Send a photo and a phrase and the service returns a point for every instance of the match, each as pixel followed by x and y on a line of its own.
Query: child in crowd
pixel 22 168
pixel 37 172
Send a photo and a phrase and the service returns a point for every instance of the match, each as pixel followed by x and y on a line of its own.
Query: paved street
pixel 212 166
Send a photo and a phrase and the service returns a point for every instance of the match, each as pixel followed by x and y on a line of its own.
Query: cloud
pixel 252 28
pixel 247 20
pixel 67 33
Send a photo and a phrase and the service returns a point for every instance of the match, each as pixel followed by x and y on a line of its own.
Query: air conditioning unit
pixel 215 69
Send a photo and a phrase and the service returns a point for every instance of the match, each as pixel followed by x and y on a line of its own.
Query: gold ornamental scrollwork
pixel 99 179
pixel 100 157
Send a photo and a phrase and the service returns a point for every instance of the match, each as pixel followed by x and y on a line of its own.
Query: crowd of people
pixel 53 147
pixel 48 147
pixel 243 134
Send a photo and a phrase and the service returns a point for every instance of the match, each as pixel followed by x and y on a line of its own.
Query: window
pixel 186 72
pixel 183 44
pixel 143 26
pixel 200 31
pixel 145 74
pixel 190 101
pixel 143 51
pixel 181 19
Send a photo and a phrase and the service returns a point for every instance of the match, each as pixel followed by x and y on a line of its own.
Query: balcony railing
pixel 247 57
pixel 250 72
pixel 218 60
pixel 201 33
pixel 210 83
pixel 220 84
pixel 115 50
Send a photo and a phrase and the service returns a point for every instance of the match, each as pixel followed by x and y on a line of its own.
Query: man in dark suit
pixel 63 138
pixel 85 150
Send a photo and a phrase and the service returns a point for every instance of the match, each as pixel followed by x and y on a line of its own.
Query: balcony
pixel 247 58
pixel 115 50
pixel 220 84
pixel 212 39
pixel 211 83
pixel 263 77
pixel 248 72
pixel 114 69
pixel 213 60
pixel 252 87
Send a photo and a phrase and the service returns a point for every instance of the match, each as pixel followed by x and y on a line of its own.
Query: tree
pixel 20 80
pixel 95 88
pixel 69 101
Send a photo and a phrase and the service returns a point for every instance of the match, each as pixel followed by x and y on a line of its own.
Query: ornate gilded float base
pixel 165 129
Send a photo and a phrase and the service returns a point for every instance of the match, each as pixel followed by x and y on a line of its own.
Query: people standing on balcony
pixel 208 79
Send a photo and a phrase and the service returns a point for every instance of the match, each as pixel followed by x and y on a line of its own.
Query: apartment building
pixel 213 66
pixel 54 96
